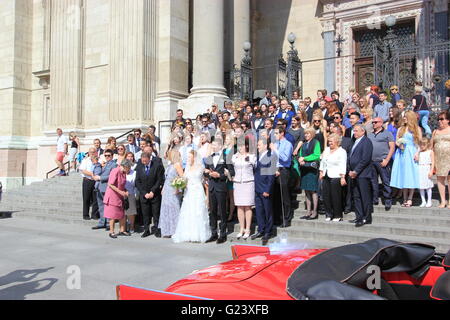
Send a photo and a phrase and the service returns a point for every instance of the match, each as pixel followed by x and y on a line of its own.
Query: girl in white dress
pixel 193 222
pixel 426 165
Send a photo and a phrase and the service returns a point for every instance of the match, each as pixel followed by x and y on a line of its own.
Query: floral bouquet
pixel 179 183
pixel 401 143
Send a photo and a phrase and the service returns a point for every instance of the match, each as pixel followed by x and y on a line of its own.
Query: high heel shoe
pixel 313 218
pixel 246 235
pixel 239 235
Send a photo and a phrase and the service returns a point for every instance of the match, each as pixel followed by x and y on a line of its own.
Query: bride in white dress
pixel 193 221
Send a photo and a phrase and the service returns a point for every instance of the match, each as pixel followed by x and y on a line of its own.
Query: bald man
pixel 87 172
pixel 383 149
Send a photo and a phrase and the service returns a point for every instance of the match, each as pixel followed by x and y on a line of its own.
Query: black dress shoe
pixel 158 234
pixel 221 240
pixel 367 222
pixel 304 217
pixel 359 224
pixel 256 236
pixel 146 234
pixel 376 203
pixel 86 218
pixel 387 207
pixel 347 211
pixel 212 239
pixel 353 221
pixel 265 240
pixel 98 227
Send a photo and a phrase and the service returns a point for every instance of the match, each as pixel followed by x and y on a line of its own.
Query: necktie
pixel 147 170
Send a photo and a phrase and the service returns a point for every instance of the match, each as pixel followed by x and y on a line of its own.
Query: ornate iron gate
pixel 407 65
pixel 281 76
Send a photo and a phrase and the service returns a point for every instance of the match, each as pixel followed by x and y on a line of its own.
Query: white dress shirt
pixel 86 165
pixel 334 164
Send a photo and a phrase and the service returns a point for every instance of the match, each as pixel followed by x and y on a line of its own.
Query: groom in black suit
pixel 215 166
pixel 149 182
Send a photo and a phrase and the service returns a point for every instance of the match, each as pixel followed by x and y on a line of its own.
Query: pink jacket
pixel 118 179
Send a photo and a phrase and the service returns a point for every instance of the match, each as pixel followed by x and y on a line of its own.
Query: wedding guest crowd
pixel 249 161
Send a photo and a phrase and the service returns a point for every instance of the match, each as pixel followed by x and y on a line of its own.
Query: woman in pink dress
pixel 114 197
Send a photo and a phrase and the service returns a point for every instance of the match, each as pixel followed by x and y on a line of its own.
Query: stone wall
pixel 272 21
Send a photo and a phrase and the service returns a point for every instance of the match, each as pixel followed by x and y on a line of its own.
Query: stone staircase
pixel 59 200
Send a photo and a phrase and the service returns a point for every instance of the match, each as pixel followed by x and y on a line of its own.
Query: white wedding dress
pixel 193 221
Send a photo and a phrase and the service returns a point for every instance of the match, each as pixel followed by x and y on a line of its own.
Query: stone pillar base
pixel 198 104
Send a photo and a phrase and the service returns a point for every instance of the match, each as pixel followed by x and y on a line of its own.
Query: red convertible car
pixel 377 269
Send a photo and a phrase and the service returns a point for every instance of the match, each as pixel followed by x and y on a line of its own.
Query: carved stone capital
pixel 328 25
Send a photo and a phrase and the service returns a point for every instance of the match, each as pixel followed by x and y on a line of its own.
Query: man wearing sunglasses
pixel 383 149
pixel 102 176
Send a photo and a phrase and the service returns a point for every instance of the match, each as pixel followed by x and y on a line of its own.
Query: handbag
pixel 126 204
pixel 311 164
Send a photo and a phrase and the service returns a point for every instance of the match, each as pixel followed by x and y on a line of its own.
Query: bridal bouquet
pixel 179 183
pixel 401 143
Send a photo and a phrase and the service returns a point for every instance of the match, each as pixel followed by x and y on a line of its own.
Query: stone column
pixel 66 65
pixel 330 52
pixel 241 28
pixel 173 61
pixel 15 88
pixel 208 59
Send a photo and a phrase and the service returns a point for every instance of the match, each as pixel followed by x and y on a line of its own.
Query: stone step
pixel 376 228
pixel 379 210
pixel 308 233
pixel 54 210
pixel 54 218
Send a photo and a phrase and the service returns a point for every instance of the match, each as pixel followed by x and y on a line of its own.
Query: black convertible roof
pixel 341 273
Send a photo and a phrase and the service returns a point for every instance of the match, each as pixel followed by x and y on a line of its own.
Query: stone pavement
pixel 36 255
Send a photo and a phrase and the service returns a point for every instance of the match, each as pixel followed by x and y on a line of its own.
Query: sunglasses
pixel 108 155
pixel 374 122
pixel 337 118
pixel 442 119
pixel 316 121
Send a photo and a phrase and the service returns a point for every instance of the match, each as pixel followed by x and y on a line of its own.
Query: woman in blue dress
pixel 405 170
pixel 171 198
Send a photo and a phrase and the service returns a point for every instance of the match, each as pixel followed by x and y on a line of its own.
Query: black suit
pixel 151 182
pixel 347 144
pixel 264 182
pixel 360 161
pixel 218 193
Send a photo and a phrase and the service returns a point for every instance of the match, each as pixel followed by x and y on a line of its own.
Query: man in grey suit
pixel 101 177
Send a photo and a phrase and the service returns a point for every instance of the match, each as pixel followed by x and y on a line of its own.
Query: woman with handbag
pixel 115 196
pixel 309 159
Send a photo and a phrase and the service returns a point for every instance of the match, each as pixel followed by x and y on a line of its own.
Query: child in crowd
pixel 426 165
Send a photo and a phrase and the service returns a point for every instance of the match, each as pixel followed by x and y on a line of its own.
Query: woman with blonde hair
pixel 405 170
pixel 121 153
pixel 367 113
pixel 74 149
pixel 304 123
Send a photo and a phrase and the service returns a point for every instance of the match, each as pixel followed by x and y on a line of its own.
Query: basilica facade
pixel 102 67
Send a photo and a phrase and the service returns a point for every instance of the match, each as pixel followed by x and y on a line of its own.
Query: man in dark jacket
pixel 361 172
pixel 266 168
pixel 149 182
